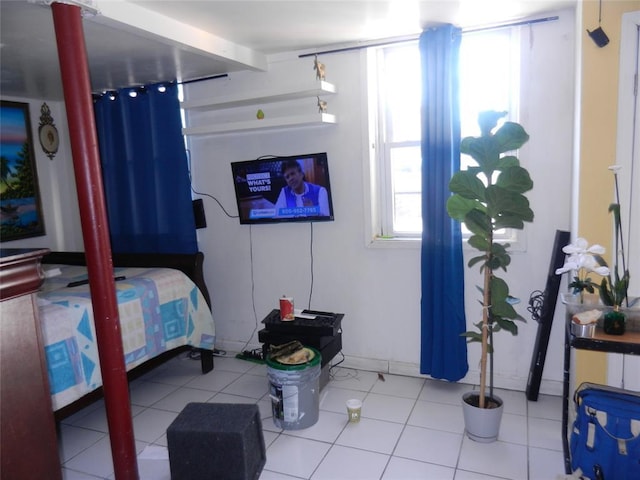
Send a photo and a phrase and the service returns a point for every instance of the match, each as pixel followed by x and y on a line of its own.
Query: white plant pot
pixel 482 424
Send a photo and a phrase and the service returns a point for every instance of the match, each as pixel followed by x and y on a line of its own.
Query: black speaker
pixel 198 213
pixel 221 441
pixel 599 37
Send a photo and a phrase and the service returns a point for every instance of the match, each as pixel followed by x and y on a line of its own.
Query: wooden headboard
pixel 190 264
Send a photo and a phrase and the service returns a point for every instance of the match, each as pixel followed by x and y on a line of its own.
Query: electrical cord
pixel 253 290
pixel 311 266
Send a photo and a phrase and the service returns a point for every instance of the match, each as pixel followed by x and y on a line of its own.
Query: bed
pixel 164 308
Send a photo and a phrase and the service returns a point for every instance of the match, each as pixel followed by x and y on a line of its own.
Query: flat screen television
pixel 283 189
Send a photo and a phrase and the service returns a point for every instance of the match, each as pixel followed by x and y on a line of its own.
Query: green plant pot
pixel 614 323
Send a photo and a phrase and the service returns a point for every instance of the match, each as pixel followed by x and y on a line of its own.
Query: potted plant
pixel 613 291
pixel 488 197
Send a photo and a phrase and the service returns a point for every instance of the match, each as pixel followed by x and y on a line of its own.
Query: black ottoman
pixel 216 441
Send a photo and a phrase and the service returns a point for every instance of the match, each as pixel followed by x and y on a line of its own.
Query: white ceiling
pixel 138 42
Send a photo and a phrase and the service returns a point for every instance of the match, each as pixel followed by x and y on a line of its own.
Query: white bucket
pixel 294 391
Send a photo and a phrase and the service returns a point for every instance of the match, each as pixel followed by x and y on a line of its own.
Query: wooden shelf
pixel 258 98
pixel 629 343
pixel 264 124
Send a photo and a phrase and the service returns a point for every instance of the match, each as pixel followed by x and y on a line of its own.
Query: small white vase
pixel 482 424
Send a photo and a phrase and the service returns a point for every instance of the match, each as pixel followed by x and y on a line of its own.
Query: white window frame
pixel 378 191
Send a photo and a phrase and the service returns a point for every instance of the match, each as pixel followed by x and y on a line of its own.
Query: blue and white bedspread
pixel 160 309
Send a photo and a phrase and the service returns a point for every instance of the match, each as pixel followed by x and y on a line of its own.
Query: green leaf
pixel 479 242
pixel 467 185
pixel 507 325
pixel 458 207
pixel 482 150
pixel 515 179
pixel 499 290
pixel 509 221
pixel 472 262
pixel 502 202
pixel 478 222
pixel 510 136
pixel 508 161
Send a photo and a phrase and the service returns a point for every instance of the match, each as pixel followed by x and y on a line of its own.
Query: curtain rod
pixel 407 39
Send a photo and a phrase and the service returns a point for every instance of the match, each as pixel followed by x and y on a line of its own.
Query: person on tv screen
pixel 299 198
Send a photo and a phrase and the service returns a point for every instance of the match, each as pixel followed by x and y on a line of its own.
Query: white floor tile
pixel 335 399
pixel 421 427
pixel 149 425
pixel 405 469
pixel 501 459
pixel 513 428
pixel 178 399
pixel 514 402
pixel 214 381
pixel 248 386
pixel 399 386
pixel 386 407
pixel 547 406
pixel 177 371
pixel 74 440
pixel 95 460
pixel 464 475
pixel 326 429
pixel 232 364
pixel 373 435
pixel 267 475
pixel 343 463
pixel 154 470
pixel 68 474
pixel 444 392
pixel 427 445
pixel 545 464
pixel 439 416
pixel 545 433
pixel 147 393
pixel 295 456
pixel 353 379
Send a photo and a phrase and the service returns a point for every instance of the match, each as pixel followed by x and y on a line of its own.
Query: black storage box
pixel 219 441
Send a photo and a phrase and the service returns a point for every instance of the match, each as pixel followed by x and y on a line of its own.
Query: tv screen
pixel 283 189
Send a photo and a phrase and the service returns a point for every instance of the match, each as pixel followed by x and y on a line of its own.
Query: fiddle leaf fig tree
pixel 487 197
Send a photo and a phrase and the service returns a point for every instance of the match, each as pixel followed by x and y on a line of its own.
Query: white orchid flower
pixel 582 246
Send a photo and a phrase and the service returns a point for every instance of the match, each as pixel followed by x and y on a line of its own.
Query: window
pixel 486 82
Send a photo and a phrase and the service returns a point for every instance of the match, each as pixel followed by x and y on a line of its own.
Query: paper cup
pixel 286 309
pixel 354 409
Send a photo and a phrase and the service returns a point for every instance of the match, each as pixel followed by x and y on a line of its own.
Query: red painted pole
pixel 95 232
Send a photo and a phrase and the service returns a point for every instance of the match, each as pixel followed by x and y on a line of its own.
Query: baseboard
pixel 547 387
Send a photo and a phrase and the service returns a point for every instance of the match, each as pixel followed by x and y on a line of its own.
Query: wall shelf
pixel 310 120
pixel 258 98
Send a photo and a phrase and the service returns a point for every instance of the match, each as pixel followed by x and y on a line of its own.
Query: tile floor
pixel 411 428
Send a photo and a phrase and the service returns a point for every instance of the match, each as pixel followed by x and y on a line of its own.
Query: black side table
pixel 324 333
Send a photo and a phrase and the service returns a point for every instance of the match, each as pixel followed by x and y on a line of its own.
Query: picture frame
pixel 20 203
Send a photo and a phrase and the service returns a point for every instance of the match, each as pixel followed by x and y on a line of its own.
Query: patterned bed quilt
pixel 160 309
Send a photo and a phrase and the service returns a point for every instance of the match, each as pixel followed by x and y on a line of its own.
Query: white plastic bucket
pixel 294 391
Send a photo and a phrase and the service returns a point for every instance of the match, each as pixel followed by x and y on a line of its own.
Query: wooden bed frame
pixel 190 264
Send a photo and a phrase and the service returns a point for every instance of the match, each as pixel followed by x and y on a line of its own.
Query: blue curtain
pixel 145 171
pixel 443 350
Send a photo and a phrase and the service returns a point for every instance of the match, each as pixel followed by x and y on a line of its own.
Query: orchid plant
pixel 584 260
pixel 614 292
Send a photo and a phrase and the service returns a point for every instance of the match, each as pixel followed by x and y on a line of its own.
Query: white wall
pixel 378 290
pixel 57 185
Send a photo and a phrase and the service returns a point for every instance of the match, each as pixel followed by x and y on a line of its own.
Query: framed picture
pixel 20 206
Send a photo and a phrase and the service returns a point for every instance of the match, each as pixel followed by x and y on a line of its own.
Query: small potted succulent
pixel 488 197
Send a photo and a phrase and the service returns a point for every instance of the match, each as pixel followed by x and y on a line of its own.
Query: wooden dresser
pixel 28 443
